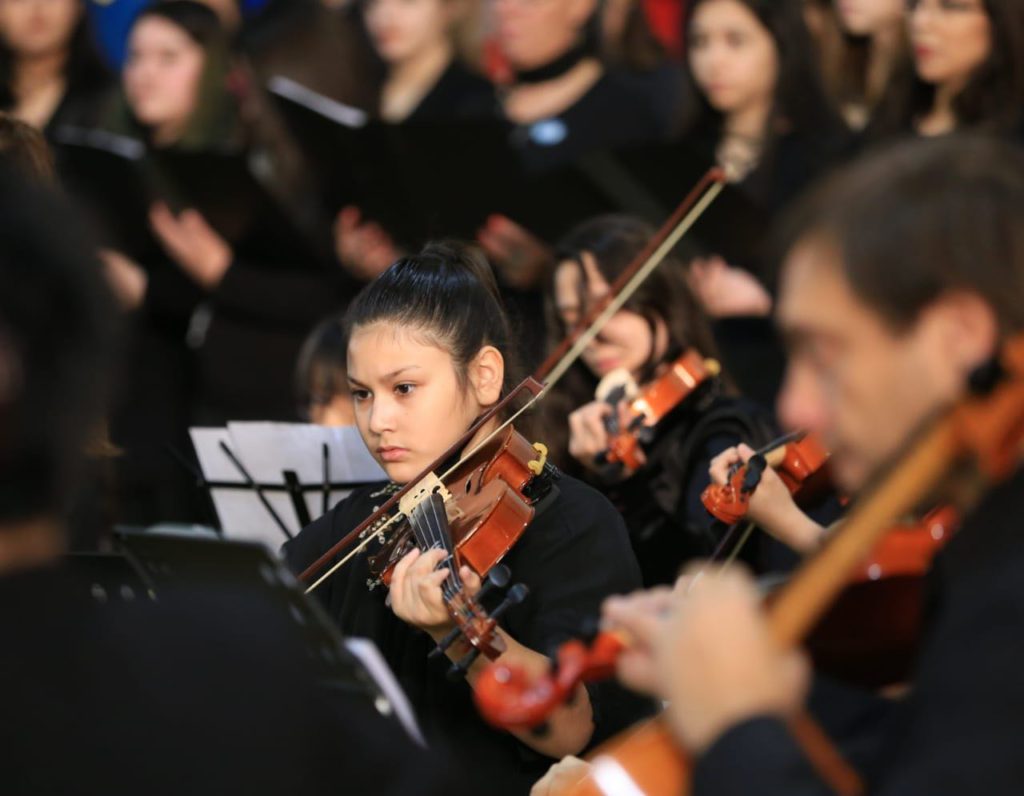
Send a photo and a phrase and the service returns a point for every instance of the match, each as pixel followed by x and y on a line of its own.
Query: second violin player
pixel 660 500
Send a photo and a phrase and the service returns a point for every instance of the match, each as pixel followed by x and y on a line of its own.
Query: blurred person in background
pixel 50 71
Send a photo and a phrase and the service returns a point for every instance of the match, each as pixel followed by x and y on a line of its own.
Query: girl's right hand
pixel 588 434
pixel 772 507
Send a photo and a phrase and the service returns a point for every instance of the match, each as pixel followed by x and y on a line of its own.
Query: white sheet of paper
pixel 267 450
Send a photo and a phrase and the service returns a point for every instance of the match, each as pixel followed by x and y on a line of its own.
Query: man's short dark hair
pixel 923 218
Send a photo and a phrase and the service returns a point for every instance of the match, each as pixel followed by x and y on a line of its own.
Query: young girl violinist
pixel 427 347
pixel 660 499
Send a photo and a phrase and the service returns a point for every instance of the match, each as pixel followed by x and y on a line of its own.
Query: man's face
pixel 862 385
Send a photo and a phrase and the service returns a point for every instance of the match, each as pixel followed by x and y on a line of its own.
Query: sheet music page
pixel 266 450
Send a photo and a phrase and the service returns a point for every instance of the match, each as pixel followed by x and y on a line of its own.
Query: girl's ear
pixel 487 375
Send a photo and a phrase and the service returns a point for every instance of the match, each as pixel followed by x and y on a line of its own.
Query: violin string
pixel 354 551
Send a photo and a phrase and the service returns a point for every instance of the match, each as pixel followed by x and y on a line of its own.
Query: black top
pixel 573 555
pixel 611 114
pixel 458 95
pixel 200 693
pixel 661 503
pixel 959 731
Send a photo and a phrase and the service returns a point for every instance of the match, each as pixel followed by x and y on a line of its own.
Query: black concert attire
pixel 573 555
pixel 201 692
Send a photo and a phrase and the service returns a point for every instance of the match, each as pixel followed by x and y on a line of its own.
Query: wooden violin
pixel 802 464
pixel 871 633
pixel 647 407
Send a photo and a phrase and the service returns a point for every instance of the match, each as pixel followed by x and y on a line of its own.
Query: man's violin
pixel 979 439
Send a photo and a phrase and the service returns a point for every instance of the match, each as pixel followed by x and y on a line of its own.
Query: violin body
pixel 871 633
pixel 489 507
pixel 802 465
pixel 650 405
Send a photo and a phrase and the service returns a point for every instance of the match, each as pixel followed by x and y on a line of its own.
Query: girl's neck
pixel 39 85
pixel 39 72
pixel 750 123
pixel 941 119
pixel 410 80
pixel 167 135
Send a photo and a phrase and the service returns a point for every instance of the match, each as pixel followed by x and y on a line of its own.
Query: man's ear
pixel 487 375
pixel 968 329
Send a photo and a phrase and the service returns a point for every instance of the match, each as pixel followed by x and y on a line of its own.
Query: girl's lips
pixel 392 454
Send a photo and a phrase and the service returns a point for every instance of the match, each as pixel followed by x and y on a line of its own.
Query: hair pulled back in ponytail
pixel 447 293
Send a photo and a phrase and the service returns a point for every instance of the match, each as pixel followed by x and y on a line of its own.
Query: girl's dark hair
pixel 992 100
pixel 800 104
pixel 636 48
pixel 614 241
pixel 914 221
pixel 214 123
pixel 84 70
pixel 448 294
pixel 320 374
pixel 24 149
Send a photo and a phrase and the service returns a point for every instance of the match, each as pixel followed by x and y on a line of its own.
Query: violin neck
pixel 429 521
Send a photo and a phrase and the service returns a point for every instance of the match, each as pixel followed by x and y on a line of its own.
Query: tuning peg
pixel 497 578
pixel 515 595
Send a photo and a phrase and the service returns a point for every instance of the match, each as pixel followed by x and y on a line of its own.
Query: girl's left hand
pixel 193 244
pixel 416 595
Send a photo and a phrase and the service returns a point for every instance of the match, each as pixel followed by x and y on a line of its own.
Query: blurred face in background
pixel 35 28
pixel 868 17
pixel 402 29
pixel 950 39
pixel 535 32
pixel 733 57
pixel 627 340
pixel 162 74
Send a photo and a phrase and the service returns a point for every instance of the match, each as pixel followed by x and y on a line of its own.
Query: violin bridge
pixel 427 487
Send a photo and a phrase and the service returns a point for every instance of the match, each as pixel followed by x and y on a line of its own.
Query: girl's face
pixel 733 57
pixel 401 29
pixel 33 28
pixel 410 405
pixel 951 39
pixel 626 340
pixel 162 74
pixel 535 32
pixel 868 17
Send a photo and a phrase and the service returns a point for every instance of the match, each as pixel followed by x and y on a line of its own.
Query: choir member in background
pixel 966 71
pixel 758 110
pixel 860 43
pixel 50 71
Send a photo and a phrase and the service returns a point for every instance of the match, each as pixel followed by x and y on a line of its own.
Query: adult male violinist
pixel 904 276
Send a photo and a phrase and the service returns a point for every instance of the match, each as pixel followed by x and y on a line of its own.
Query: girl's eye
pixel 360 395
pixel 404 389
